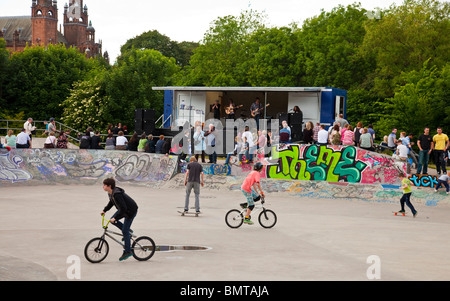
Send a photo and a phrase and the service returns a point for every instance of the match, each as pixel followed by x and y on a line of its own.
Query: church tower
pixel 44 22
pixel 76 23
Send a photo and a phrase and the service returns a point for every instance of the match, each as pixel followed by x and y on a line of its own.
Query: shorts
pixel 250 196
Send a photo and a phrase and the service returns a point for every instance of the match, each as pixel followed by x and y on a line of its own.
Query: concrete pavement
pixel 44 230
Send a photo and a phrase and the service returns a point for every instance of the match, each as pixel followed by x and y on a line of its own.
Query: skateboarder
pixel 192 180
pixel 251 182
pixel 406 186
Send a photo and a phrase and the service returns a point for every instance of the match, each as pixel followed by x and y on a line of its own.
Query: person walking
pixel 193 179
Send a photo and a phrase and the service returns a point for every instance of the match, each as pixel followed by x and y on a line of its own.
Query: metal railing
pixel 7 125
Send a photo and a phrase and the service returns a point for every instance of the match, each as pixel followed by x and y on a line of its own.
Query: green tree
pixel 421 100
pixel 329 48
pixel 221 58
pixel 87 105
pixel 4 61
pixel 182 52
pixel 129 84
pixel 404 38
pixel 39 79
pixel 272 61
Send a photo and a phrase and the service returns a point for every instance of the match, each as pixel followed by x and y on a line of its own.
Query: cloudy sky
pixel 116 21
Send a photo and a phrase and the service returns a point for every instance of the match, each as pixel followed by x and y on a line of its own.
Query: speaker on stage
pixel 138 120
pixel 295 118
pixel 149 121
pixel 296 132
pixel 283 116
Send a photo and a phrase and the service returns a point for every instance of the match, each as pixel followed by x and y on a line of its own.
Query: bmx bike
pixel 266 218
pixel 97 249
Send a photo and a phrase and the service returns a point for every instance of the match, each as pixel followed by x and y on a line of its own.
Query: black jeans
pixel 405 199
pixel 439 157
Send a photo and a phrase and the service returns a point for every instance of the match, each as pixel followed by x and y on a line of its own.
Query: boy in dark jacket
pixel 126 208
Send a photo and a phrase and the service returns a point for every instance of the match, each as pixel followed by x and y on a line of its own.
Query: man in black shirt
pixel 193 180
pixel 424 143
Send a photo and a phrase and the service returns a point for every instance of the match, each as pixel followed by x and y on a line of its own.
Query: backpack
pixel 336 139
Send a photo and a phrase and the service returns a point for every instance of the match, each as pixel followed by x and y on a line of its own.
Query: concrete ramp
pixel 67 166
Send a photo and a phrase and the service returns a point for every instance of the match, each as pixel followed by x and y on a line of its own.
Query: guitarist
pixel 255 111
pixel 230 110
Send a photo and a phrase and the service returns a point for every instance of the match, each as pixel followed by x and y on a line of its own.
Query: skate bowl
pixel 304 171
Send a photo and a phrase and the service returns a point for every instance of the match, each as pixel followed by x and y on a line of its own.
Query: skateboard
pixel 192 213
pixel 399 213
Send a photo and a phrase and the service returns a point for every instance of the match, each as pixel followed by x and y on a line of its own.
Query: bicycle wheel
pixel 96 250
pixel 143 248
pixel 234 218
pixel 267 218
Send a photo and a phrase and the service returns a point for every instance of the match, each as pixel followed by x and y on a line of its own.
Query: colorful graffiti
pixel 424 180
pixel 84 166
pixel 317 163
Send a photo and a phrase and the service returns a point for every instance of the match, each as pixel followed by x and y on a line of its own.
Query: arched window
pixel 50 13
pixel 39 13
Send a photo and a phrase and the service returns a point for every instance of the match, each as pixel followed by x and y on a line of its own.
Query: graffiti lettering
pixel 424 180
pixel 317 163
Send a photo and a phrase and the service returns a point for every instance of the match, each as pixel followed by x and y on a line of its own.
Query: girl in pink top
pixel 348 136
pixel 249 188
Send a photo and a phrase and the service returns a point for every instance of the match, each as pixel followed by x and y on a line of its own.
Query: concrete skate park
pixel 334 207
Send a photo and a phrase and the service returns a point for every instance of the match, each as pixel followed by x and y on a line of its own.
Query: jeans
pixel 447 188
pixel 424 156
pixel 405 199
pixel 439 157
pixel 125 227
pixel 189 186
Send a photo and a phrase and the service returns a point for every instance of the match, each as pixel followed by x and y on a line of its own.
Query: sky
pixel 116 21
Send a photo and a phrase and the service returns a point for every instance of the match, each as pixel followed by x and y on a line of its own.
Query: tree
pixel 87 105
pixel 181 52
pixel 129 84
pixel 4 61
pixel 39 79
pixel 329 48
pixel 272 61
pixel 421 100
pixel 221 58
pixel 404 38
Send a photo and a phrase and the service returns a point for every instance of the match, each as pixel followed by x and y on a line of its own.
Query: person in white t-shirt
pixel 322 136
pixel 401 153
pixel 121 141
pixel 251 145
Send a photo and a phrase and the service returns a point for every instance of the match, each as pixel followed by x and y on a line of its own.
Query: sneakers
pixel 415 214
pixel 248 221
pixel 125 255
pixel 401 211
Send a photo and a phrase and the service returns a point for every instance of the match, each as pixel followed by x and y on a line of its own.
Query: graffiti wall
pixel 333 164
pixel 276 189
pixel 48 166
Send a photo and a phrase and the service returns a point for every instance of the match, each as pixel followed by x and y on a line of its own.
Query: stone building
pixel 41 28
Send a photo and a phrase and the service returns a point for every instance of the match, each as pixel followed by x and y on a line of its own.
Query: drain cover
pixel 167 248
